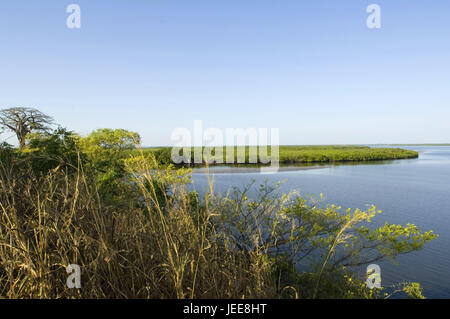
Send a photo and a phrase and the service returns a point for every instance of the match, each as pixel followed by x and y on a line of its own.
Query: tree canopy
pixel 23 121
pixel 111 140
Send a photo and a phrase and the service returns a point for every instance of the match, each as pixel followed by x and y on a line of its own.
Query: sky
pixel 312 68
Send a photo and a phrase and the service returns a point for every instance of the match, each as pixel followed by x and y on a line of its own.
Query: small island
pixel 291 155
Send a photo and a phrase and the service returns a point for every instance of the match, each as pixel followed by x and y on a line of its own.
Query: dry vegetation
pixel 137 230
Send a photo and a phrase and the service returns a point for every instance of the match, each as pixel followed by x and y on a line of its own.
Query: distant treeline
pixel 296 154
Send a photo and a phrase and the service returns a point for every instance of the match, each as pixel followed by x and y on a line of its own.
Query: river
pixel 407 191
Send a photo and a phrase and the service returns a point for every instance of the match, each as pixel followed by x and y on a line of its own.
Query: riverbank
pixel 245 170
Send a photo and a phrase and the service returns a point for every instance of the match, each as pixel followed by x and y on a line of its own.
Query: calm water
pixel 408 191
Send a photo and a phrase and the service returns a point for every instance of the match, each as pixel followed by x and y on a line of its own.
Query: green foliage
pixel 341 154
pixel 305 154
pixel 106 144
pixel 414 290
pixel 322 240
pixel 51 150
pixel 163 156
pixel 106 150
pixel 6 151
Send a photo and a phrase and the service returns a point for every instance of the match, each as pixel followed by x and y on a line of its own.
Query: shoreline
pixel 243 170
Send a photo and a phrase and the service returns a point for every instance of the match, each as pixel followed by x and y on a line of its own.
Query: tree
pixel 50 150
pixel 106 150
pixel 107 144
pixel 23 121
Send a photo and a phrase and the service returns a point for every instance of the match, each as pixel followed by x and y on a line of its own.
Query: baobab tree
pixel 23 120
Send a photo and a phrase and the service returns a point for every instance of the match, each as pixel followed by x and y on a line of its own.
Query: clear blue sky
pixel 311 68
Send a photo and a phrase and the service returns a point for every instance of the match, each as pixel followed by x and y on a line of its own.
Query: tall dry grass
pixel 157 246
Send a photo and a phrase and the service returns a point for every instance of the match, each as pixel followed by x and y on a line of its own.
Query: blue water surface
pixel 407 191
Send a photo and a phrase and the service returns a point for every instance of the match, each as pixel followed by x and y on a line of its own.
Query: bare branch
pixel 23 120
